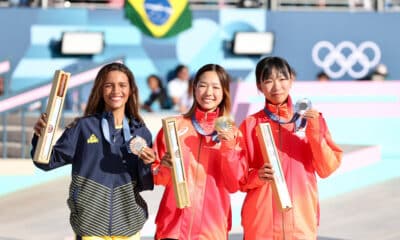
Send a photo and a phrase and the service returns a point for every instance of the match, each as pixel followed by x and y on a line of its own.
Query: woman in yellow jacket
pixel 214 163
pixel 302 156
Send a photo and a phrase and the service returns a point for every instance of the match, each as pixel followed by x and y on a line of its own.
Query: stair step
pixel 14 150
pixel 16 133
pixel 15 119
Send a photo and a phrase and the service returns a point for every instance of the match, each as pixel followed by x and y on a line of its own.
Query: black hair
pixel 267 65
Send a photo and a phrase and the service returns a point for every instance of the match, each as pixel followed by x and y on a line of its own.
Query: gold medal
pixel 224 123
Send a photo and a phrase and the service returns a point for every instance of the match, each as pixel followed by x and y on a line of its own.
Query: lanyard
pixel 299 121
pixel 199 129
pixel 106 129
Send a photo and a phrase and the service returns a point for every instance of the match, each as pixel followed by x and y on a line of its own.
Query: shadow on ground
pixel 240 237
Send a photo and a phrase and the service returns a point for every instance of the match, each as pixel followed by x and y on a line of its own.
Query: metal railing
pixel 16 108
pixel 274 5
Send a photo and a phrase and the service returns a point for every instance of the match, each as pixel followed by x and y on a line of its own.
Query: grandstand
pixel 279 5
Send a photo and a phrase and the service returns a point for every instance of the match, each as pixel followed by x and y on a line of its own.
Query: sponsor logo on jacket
pixel 92 139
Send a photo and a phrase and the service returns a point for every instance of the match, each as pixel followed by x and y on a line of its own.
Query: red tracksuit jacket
pixel 301 156
pixel 213 170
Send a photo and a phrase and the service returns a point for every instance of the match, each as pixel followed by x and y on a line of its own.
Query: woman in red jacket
pixel 214 164
pixel 302 153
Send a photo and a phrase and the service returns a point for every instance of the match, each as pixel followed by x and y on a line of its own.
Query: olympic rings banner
pixel 346 46
pixel 359 61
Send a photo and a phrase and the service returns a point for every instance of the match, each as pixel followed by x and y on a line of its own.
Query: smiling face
pixel 116 91
pixel 208 91
pixel 276 87
pixel 274 78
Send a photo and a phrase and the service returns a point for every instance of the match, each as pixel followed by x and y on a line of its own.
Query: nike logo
pixel 183 131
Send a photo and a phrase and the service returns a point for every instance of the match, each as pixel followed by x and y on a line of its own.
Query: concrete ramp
pixel 41 212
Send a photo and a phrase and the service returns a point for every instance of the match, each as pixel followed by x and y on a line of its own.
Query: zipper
pixel 114 136
pixel 111 212
pixel 195 181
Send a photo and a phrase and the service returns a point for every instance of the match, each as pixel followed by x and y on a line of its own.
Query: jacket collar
pixel 284 110
pixel 209 117
pixel 110 118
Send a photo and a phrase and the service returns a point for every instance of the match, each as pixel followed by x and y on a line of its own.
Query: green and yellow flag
pixel 159 18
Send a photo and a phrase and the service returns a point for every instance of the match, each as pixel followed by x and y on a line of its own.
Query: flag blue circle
pixel 158 11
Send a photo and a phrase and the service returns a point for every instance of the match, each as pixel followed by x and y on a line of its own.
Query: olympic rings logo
pixel 346 63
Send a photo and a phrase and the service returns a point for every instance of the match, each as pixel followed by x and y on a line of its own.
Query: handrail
pixel 79 78
pixel 5 67
pixel 273 5
pixel 20 102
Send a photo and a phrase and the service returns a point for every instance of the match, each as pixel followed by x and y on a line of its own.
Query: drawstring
pixel 280 147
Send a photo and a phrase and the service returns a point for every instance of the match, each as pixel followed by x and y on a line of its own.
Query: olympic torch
pixel 178 170
pixel 53 111
pixel 270 155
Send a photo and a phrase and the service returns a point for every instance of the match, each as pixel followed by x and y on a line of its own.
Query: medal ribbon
pixel 106 129
pixel 296 119
pixel 200 130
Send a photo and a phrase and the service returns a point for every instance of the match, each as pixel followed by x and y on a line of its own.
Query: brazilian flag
pixel 159 18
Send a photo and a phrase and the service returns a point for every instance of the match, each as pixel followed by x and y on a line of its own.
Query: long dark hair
pixel 224 78
pixel 96 103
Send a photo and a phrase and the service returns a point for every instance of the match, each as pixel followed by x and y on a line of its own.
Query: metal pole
pixel 45 3
pixel 23 132
pixel 380 5
pixel 274 5
pixel 4 140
